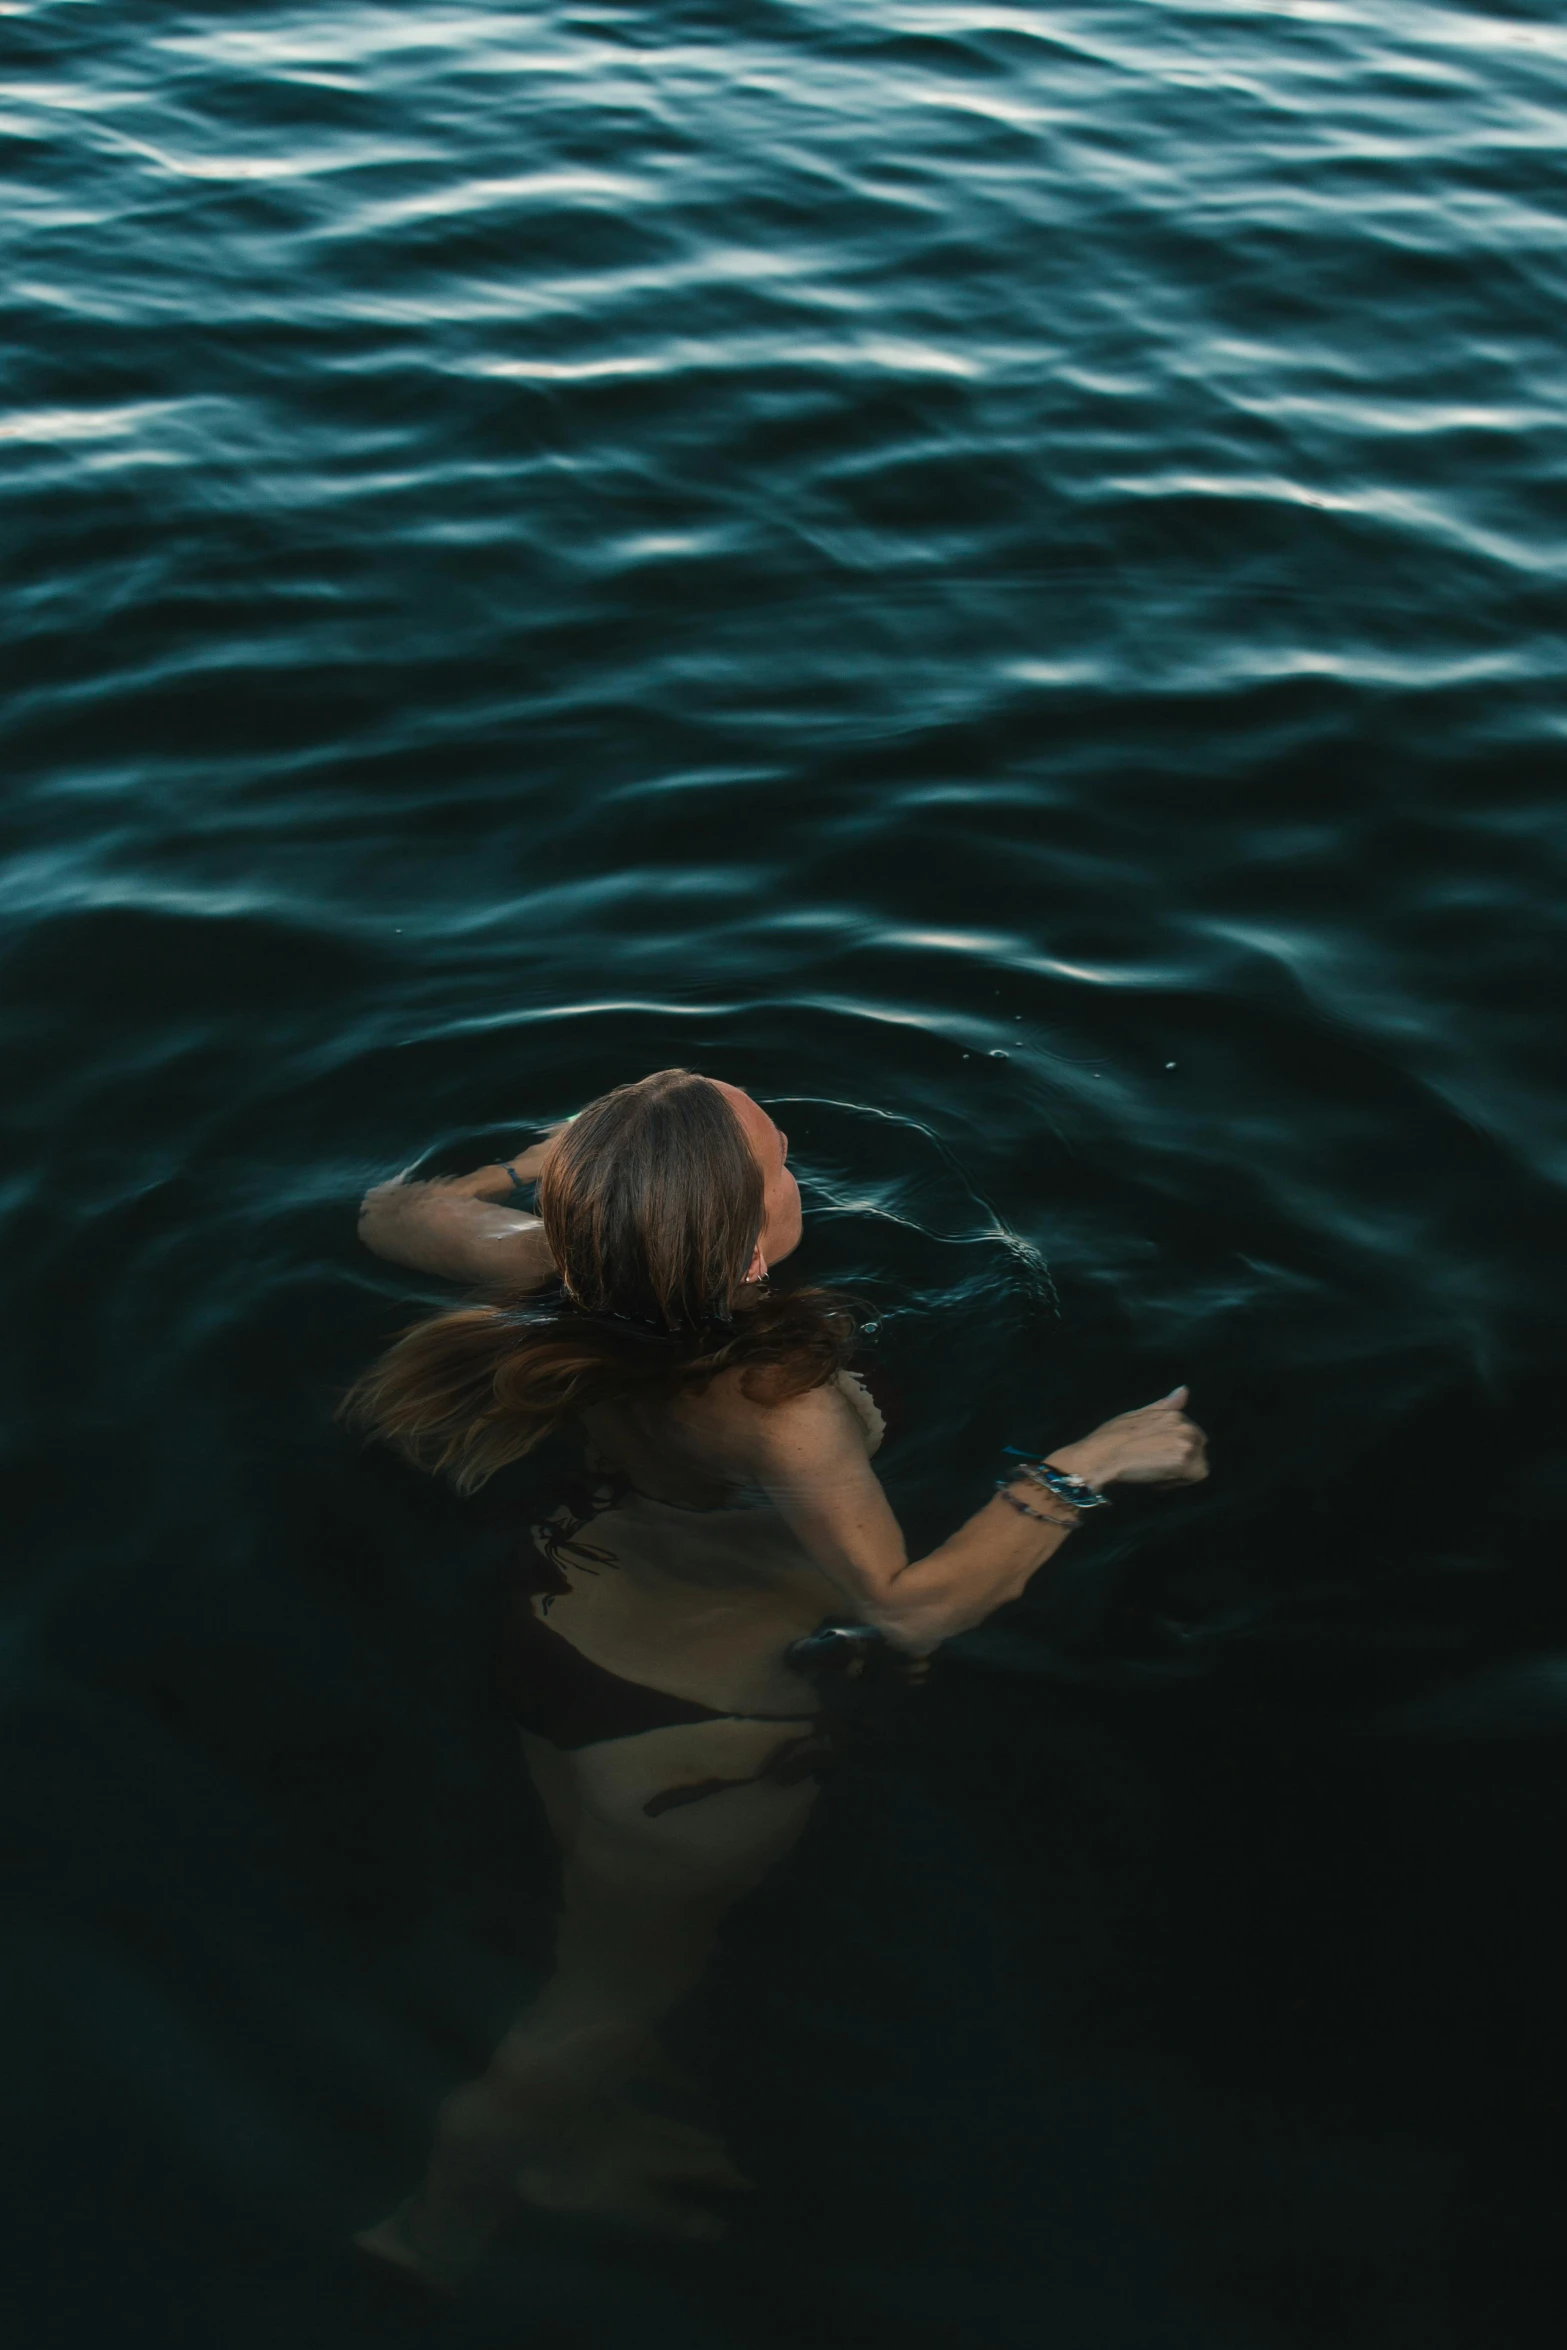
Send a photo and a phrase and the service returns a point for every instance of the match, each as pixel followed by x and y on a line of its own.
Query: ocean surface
pixel 994 574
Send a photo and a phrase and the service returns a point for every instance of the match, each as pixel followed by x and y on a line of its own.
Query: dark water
pixel 994 574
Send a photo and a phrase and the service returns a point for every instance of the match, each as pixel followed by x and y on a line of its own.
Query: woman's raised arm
pixel 465 1227
pixel 809 1456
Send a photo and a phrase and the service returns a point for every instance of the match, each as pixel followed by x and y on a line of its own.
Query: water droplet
pixel 998 1055
pixel 1169 1064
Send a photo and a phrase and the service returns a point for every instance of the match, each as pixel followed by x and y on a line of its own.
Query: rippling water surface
pixel 995 574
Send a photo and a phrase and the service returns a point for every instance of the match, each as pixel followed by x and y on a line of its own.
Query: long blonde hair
pixel 652 1204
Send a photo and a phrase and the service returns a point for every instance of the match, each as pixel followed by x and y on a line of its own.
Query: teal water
pixel 993 573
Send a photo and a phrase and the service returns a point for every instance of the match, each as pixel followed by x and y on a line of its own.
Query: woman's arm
pixel 809 1455
pixel 465 1227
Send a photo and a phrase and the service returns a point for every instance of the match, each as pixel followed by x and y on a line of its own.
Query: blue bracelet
pixel 1060 1482
pixel 518 1182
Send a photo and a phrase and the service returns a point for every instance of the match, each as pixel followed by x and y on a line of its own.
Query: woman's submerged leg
pixel 555 2118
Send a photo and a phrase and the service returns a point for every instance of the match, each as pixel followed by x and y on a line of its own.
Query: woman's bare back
pixel 694 1450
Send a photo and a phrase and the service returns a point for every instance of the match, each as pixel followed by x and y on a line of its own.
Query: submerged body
pixel 676 1751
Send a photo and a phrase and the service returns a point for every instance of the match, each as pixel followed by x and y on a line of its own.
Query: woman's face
pixel 782 1220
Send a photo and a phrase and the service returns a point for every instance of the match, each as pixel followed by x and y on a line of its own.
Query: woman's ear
pixel 756 1270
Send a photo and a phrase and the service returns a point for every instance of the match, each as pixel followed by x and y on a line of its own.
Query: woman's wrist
pixel 495 1182
pixel 1080 1460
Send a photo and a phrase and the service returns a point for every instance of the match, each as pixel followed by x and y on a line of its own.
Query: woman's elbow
pixel 377 1217
pixel 914 1627
pixel 917 1622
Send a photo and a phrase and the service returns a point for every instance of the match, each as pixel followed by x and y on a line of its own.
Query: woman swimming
pixel 731 1505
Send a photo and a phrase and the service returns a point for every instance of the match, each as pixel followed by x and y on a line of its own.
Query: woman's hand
pixel 495 1182
pixel 1158 1445
pixel 528 1165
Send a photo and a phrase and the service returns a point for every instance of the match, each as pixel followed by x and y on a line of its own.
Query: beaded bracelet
pixel 518 1182
pixel 1027 1509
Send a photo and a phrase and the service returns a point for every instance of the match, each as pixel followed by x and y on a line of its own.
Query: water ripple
pixel 1000 569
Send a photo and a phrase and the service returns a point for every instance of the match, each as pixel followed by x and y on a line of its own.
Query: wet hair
pixel 652 1204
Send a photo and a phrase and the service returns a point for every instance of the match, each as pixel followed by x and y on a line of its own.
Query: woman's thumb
pixel 1177 1395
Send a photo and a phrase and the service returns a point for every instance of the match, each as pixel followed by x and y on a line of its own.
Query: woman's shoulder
pixel 761 1421
pixel 866 1409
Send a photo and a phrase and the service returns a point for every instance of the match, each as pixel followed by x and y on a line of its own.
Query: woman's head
pixel 662 1199
pixel 664 1203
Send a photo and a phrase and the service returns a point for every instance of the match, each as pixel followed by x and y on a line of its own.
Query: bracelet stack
pixel 1027 1509
pixel 1059 1484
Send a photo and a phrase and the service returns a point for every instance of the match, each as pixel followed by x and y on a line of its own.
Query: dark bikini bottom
pixel 561 1695
pixel 554 1690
